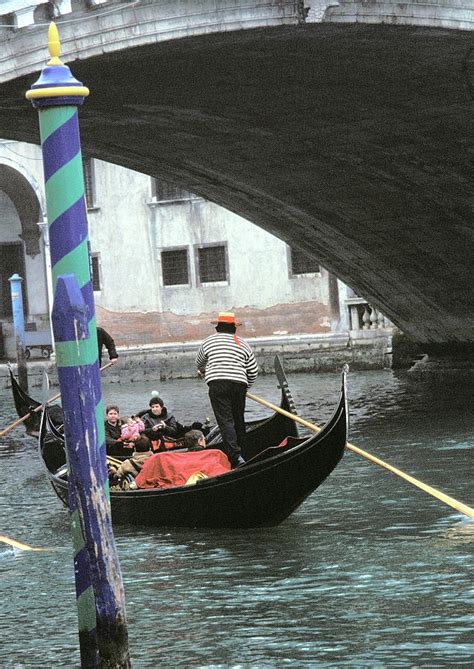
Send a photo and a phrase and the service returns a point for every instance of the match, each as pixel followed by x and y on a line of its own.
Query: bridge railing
pixel 363 316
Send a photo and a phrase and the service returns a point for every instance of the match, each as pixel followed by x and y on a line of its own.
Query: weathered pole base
pixel 113 643
pixel 88 647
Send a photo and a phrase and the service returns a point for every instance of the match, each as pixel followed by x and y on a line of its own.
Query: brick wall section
pixel 141 329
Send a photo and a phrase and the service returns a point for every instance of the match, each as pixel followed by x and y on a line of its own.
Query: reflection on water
pixel 369 572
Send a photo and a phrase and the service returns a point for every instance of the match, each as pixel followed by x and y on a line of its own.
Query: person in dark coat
pixel 104 339
pixel 114 443
pixel 158 421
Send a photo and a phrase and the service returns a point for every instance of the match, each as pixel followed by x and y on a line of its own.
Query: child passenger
pixel 132 428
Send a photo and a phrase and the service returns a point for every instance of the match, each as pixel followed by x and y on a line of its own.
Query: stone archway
pixel 23 196
pixel 20 248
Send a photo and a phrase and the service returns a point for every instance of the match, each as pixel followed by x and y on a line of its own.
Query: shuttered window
pixel 175 267
pixel 212 264
pixel 302 263
pixel 162 191
pixel 89 182
pixel 95 272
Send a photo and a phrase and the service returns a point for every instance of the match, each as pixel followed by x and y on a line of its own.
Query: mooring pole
pixel 19 328
pixel 99 591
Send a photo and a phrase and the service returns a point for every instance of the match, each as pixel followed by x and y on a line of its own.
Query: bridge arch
pixel 349 140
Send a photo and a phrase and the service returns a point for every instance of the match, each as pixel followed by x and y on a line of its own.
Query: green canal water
pixel 369 572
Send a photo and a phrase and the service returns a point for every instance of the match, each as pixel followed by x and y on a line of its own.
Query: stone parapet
pixel 453 14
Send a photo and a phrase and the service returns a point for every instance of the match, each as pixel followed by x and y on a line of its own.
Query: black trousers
pixel 228 403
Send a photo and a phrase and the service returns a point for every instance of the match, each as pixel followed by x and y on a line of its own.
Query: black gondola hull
pixel 263 492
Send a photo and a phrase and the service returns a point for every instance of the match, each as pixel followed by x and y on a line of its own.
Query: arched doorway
pixel 21 250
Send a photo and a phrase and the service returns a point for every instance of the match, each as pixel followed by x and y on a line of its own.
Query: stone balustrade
pixel 23 13
pixel 363 316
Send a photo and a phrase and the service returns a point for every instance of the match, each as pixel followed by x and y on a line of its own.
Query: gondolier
pixel 104 339
pixel 228 364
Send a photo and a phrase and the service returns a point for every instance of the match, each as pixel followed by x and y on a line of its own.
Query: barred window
pixel 95 272
pixel 212 264
pixel 175 267
pixel 302 263
pixel 163 191
pixel 89 182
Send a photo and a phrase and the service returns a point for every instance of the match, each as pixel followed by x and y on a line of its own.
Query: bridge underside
pixel 349 141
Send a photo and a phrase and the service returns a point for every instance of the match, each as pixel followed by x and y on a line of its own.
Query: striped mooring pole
pixel 103 636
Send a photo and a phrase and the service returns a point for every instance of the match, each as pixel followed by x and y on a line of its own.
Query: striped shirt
pixel 220 357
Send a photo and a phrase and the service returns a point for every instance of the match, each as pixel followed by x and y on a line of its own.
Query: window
pixel 89 182
pixel 212 264
pixel 302 263
pixel 12 261
pixel 162 191
pixel 174 266
pixel 95 271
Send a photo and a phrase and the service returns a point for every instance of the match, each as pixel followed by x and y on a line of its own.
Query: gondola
pixel 281 470
pixel 27 406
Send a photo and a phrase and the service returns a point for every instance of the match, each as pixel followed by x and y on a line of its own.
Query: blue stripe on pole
pixel 61 146
pixel 69 376
pixel 88 297
pixel 70 330
pixel 64 232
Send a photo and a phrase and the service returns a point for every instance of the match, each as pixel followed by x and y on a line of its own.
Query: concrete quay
pixel 300 353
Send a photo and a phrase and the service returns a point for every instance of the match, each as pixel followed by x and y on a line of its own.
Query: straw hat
pixel 226 317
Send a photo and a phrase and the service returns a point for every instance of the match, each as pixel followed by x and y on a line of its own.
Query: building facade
pixel 163 261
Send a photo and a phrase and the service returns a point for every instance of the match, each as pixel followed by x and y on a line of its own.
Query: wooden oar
pixel 21 420
pixel 18 544
pixel 450 501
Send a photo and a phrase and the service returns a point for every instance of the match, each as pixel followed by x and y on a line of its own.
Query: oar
pixel 18 544
pixel 450 501
pixel 21 420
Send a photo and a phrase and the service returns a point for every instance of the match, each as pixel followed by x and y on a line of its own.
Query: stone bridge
pixel 343 127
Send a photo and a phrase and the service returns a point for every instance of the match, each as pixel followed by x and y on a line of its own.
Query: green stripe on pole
pixel 72 354
pixel 64 188
pixel 52 119
pixel 99 416
pixel 75 262
pixel 86 610
pixel 77 536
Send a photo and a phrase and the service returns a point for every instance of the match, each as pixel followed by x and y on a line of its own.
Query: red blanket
pixel 164 470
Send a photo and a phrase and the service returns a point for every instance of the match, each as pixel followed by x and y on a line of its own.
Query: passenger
pixel 158 422
pixel 113 430
pixel 142 451
pixel 131 429
pixel 194 440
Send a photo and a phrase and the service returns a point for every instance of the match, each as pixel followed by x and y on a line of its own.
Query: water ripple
pixel 369 573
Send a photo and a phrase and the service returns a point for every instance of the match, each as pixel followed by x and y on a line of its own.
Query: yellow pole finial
pixel 54 45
